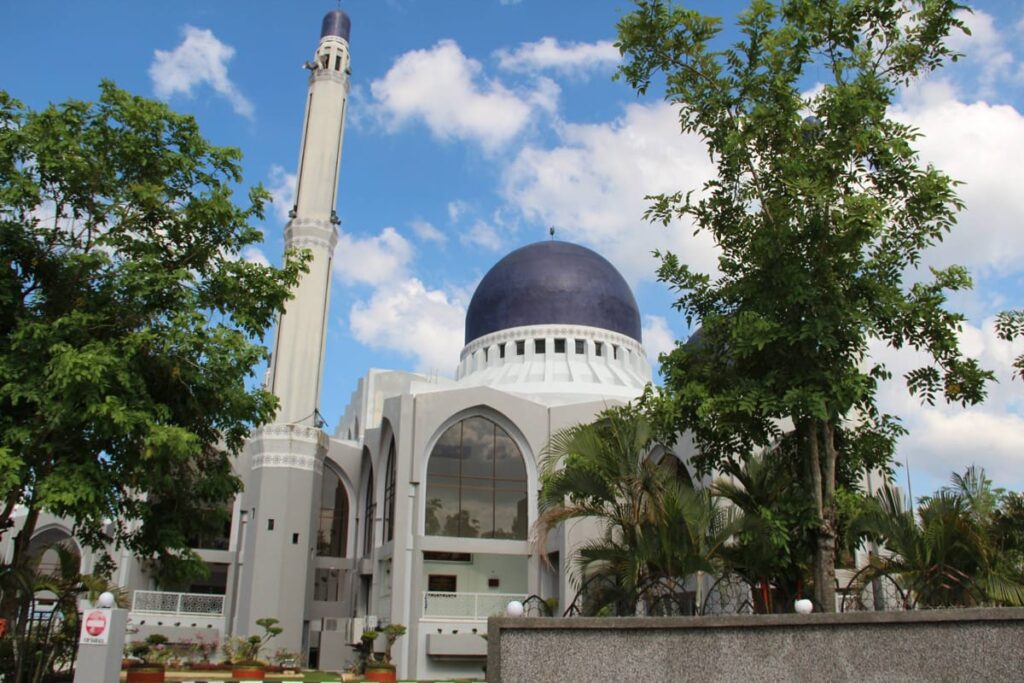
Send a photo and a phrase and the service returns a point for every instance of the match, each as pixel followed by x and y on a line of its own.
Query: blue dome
pixel 336 23
pixel 551 283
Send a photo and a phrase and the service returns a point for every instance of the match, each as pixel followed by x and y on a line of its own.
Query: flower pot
pixel 248 672
pixel 148 673
pixel 380 672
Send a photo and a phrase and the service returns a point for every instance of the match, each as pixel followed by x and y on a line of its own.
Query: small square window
pixel 598 348
pixel 493 582
pixel 295 539
pixel 270 525
pixel 442 583
pixel 559 346
pixel 615 352
pixel 520 347
pixel 538 346
pixel 581 346
pixel 501 350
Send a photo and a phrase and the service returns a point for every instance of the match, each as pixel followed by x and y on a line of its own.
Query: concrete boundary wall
pixel 935 645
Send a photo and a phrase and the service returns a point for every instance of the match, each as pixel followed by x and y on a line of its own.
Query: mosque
pixel 417 509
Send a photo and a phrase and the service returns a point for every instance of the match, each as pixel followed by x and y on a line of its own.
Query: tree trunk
pixel 825 557
pixel 821 477
pixel 10 608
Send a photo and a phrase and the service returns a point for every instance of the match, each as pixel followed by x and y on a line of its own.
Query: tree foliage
pixel 657 532
pixel 958 551
pixel 1010 326
pixel 821 209
pixel 131 322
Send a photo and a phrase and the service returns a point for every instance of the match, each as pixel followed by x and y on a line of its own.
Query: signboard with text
pixel 95 627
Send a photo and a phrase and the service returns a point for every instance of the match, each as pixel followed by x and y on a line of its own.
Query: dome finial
pixel 551 231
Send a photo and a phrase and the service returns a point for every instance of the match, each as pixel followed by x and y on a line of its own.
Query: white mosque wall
pixel 550 360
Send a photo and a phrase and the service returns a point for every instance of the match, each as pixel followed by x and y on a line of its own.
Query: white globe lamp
pixel 514 609
pixel 803 606
pixel 106 600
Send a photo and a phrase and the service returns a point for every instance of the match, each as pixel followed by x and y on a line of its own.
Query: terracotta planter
pixel 380 672
pixel 145 674
pixel 248 672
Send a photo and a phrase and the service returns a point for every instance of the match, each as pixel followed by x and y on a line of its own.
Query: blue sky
pixel 475 125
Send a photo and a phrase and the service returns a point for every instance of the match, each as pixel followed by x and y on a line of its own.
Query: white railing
pixel 466 605
pixel 160 602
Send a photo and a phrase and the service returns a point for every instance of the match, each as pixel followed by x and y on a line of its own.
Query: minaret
pixel 297 363
pixel 278 513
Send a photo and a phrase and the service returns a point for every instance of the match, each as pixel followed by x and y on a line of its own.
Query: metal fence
pixel 467 605
pixel 161 602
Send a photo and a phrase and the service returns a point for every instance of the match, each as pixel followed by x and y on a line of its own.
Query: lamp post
pixel 514 609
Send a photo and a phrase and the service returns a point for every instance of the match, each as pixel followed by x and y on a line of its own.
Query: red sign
pixel 95 627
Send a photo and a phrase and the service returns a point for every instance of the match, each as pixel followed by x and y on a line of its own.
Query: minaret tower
pixel 284 463
pixel 297 363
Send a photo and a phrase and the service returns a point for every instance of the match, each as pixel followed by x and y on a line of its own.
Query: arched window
pixel 476 483
pixel 42 549
pixel 389 495
pixel 369 512
pixel 673 465
pixel 332 537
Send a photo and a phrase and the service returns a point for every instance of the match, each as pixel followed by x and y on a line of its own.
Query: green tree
pixel 821 209
pixel 1010 326
pixel 131 323
pixel 771 548
pixel 657 531
pixel 951 553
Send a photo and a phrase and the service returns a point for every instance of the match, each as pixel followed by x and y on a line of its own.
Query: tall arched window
pixel 332 537
pixel 389 495
pixel 369 512
pixel 476 483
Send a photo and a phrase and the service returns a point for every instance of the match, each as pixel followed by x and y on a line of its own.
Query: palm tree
pixel 948 554
pixel 657 532
pixel 772 548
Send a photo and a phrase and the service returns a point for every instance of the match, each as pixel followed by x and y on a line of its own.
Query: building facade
pixel 418 508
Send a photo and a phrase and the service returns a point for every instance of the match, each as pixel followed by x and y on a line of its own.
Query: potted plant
pixel 379 666
pixel 244 653
pixel 146 659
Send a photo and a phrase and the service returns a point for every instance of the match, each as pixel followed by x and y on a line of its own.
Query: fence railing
pixel 161 602
pixel 467 605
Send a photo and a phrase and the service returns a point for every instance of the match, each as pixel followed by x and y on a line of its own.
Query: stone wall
pixel 935 645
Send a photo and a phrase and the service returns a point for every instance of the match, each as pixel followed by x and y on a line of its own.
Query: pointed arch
pixel 332 535
pixel 477 483
pixel 369 505
pixel 389 493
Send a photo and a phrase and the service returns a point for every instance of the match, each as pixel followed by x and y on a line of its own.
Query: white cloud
pixel 443 88
pixel 986 49
pixel 482 234
pixel 569 58
pixel 545 96
pixel 658 338
pixel 405 316
pixel 200 59
pixel 980 145
pixel 255 255
pixel 947 438
pixel 592 187
pixel 373 260
pixel 456 208
pixel 281 186
pixel 426 231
